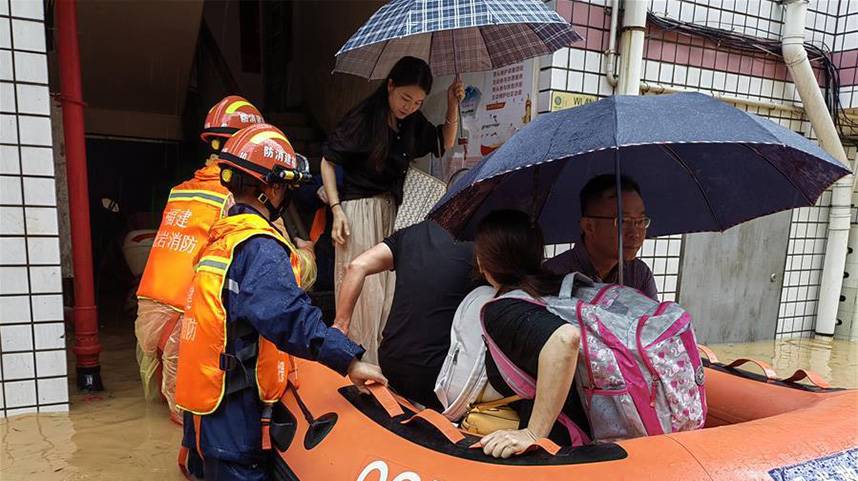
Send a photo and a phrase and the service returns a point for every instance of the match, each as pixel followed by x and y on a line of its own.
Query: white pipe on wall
pixel 631 46
pixel 795 57
pixel 850 285
pixel 611 53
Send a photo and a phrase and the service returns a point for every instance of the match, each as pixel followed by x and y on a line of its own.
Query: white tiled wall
pixel 33 371
pixel 760 18
pixel 806 246
pixel 831 23
pixel 847 40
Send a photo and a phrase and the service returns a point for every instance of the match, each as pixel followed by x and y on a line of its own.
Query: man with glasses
pixel 595 255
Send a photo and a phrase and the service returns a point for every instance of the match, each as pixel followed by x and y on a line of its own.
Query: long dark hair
pixel 375 109
pixel 510 248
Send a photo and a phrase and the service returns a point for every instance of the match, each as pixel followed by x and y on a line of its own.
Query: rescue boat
pixel 758 428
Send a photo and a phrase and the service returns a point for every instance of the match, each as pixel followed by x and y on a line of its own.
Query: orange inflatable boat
pixel 758 428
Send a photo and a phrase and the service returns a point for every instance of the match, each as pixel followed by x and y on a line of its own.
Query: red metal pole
pixel 86 345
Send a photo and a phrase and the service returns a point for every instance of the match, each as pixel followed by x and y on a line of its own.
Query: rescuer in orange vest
pixel 192 207
pixel 247 314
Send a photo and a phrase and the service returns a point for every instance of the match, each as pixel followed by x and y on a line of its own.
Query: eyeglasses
pixel 638 223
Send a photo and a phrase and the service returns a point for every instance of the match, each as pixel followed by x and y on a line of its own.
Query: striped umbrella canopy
pixel 454 36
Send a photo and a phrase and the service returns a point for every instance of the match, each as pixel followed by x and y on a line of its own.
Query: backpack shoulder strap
pixel 521 383
pixel 571 281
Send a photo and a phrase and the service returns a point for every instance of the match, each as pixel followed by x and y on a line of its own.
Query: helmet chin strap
pixel 274 213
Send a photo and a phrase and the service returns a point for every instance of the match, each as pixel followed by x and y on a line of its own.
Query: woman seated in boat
pixel 509 252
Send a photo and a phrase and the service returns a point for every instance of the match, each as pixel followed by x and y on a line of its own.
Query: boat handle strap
pixel 811 376
pixel 546 445
pixel 385 398
pixel 440 423
pixel 709 353
pixel 770 373
pixel 389 403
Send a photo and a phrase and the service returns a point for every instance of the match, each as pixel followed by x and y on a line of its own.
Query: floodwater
pixel 116 435
pixel 834 359
pixel 112 435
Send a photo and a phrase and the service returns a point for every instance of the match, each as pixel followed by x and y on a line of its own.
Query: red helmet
pixel 228 116
pixel 263 152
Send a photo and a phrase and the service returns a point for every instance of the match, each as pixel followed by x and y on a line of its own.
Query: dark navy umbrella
pixel 702 165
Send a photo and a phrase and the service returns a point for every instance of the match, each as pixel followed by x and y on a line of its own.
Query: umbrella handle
pixel 619 219
pixel 456 69
pixel 458 130
pixel 459 113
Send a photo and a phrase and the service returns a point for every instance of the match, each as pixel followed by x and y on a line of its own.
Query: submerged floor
pixel 113 435
pixel 116 435
pixel 833 359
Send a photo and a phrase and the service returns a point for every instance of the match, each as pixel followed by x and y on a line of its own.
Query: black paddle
pixel 319 427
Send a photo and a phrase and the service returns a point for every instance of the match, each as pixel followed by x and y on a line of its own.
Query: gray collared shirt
pixel 635 273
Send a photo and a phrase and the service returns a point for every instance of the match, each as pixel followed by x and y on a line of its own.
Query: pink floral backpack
pixel 639 372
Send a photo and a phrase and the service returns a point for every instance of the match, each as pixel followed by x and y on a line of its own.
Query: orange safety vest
pixel 192 208
pixel 201 375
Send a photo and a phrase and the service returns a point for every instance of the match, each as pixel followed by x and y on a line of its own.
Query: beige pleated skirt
pixel 370 221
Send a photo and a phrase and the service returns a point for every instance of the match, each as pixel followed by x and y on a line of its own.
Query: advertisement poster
pixel 496 105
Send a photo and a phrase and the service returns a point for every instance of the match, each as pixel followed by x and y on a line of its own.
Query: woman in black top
pixel 374 144
pixel 509 251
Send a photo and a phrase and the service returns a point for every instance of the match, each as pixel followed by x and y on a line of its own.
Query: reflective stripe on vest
pixel 201 378
pixel 192 208
pixel 211 198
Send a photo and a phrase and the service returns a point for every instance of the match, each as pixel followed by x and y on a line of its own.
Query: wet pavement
pixel 116 435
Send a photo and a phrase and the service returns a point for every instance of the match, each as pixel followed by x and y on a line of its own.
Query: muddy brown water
pixel 116 435
pixel 834 359
pixel 112 435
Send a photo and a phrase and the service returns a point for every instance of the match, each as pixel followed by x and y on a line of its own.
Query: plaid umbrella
pixel 454 36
